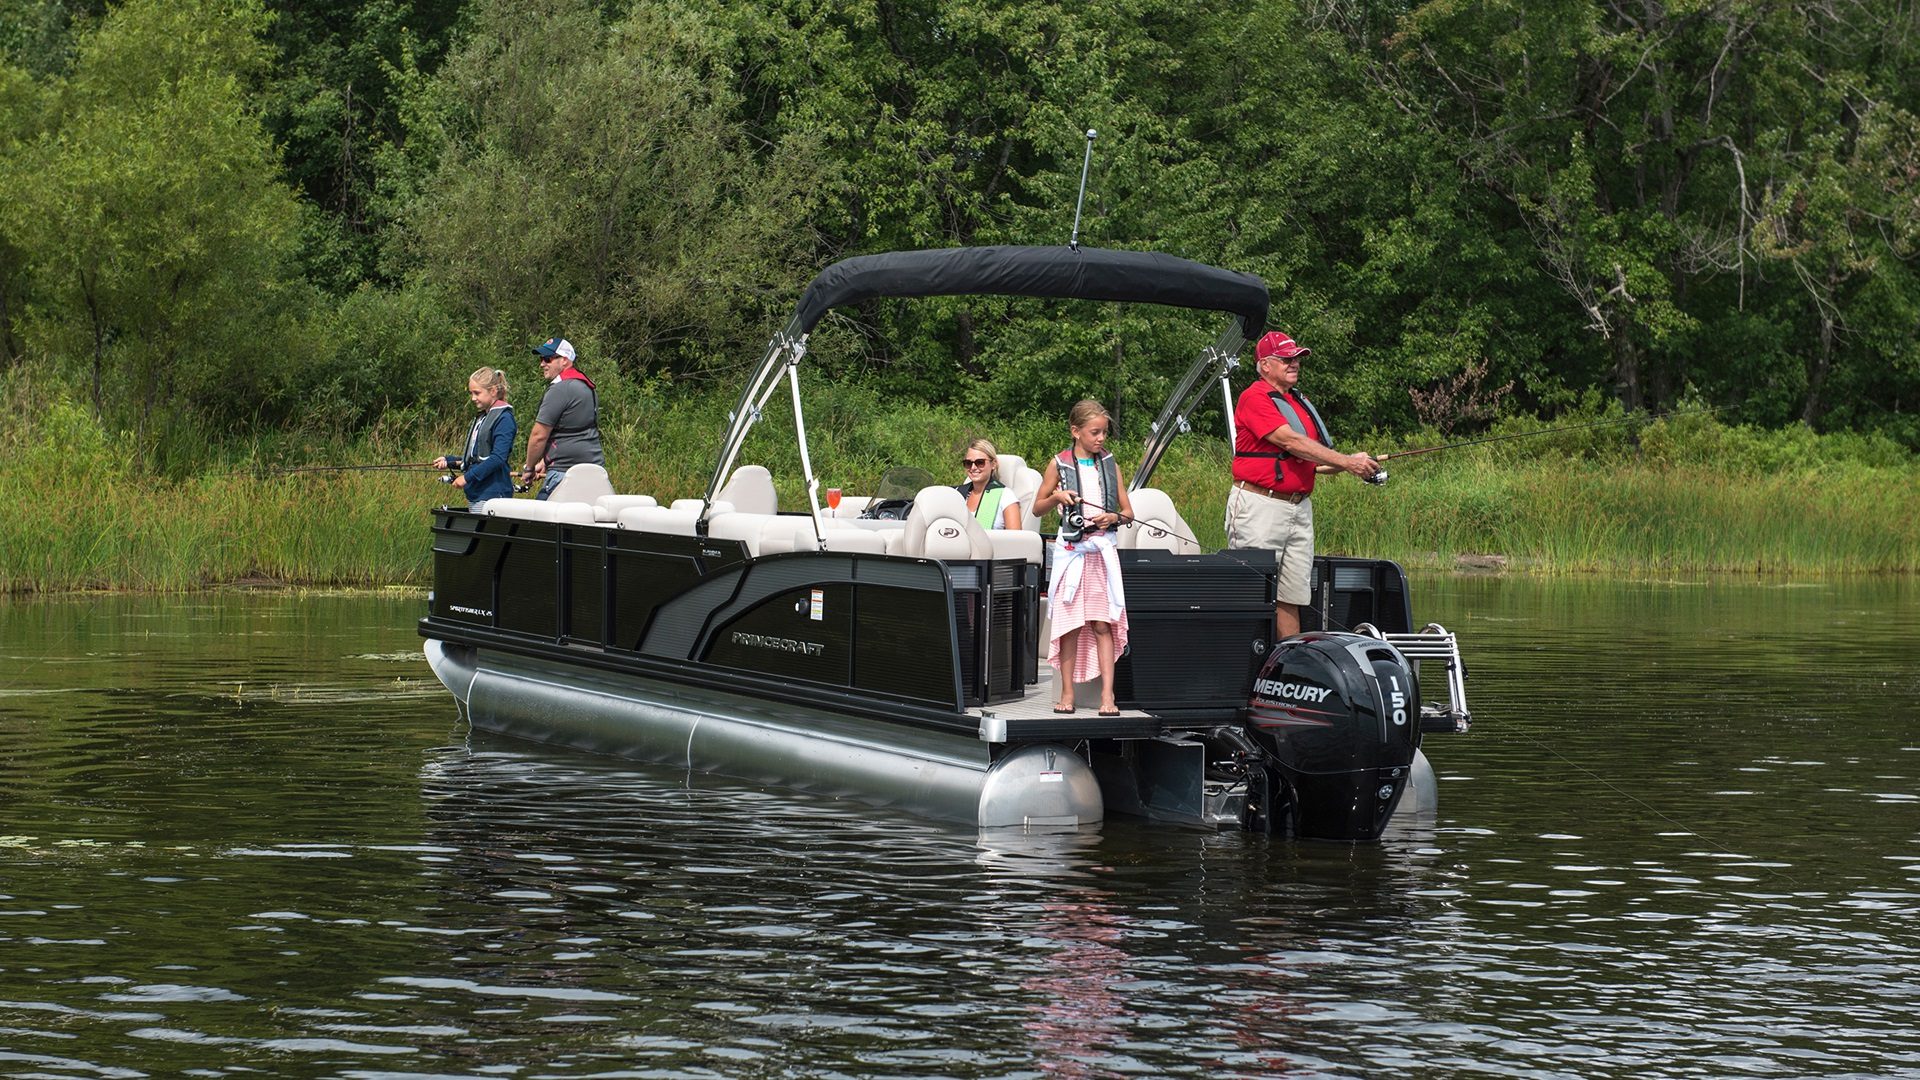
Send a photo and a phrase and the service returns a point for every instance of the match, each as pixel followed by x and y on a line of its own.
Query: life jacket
pixel 1292 417
pixel 481 438
pixel 988 515
pixel 593 428
pixel 1068 468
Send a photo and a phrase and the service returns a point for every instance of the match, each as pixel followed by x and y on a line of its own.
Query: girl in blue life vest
pixel 1085 599
pixel 483 468
pixel 991 504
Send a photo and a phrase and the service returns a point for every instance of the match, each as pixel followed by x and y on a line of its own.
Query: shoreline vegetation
pixel 1682 495
pixel 239 235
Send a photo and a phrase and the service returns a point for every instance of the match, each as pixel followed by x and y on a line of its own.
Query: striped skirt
pixel 1091 603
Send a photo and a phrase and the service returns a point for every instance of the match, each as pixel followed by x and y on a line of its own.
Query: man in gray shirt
pixel 566 431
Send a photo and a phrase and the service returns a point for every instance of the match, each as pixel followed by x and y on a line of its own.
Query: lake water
pixel 249 833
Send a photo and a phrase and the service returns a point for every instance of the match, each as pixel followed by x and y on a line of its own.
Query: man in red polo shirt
pixel 1279 443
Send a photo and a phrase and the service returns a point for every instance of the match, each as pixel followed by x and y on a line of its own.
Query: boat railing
pixel 1434 642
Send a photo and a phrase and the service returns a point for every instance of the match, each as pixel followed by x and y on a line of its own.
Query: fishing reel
pixel 1072 519
pixel 1379 477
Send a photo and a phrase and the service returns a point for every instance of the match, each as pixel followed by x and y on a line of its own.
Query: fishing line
pixel 1644 805
pixel 1548 431
pixel 1326 619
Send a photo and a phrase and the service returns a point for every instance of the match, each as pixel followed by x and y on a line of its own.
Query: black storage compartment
pixel 1349 591
pixel 990 617
pixel 1199 627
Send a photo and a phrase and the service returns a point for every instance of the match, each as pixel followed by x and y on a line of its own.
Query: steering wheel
pixel 887 510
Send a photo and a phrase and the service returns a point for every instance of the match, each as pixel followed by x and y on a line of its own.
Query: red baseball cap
pixel 1275 343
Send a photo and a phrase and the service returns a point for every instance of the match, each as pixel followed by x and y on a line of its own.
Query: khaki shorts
pixel 1255 521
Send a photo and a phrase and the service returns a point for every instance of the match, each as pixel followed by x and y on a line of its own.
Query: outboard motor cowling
pixel 1339 719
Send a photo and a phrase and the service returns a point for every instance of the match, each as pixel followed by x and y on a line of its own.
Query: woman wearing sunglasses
pixel 993 506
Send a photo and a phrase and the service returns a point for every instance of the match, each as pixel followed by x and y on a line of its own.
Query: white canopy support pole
pixel 806 459
pixel 1226 410
pixel 753 402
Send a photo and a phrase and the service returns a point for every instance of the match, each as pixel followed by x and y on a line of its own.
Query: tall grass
pixel 1690 497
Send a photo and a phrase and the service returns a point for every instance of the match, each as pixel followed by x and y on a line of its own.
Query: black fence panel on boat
pixel 464 559
pixel 1199 627
pixel 527 579
pixel 645 570
pixel 1349 591
pixel 583 569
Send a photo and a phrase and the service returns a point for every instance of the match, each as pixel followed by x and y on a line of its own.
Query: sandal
pixel 1109 712
pixel 1058 711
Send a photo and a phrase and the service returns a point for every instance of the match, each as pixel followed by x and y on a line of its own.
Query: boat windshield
pixel 902 482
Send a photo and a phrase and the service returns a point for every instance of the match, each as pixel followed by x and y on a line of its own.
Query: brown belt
pixel 1295 497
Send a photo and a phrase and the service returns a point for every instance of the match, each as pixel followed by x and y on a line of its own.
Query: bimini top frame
pixel 1082 273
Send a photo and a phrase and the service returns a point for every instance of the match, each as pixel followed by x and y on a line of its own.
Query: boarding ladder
pixel 1434 642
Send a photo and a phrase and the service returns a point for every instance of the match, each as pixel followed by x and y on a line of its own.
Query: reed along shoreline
pixel 1687 496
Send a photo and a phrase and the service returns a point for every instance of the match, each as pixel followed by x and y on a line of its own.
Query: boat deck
pixel 1032 716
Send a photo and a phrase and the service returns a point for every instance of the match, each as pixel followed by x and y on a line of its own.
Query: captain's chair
pixel 750 490
pixel 939 527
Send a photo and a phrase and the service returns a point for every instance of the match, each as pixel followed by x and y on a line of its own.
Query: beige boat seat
pixel 787 532
pixel 1016 544
pixel 608 507
pixel 1023 483
pixel 576 513
pixel 583 484
pixel 1156 525
pixel 750 490
pixel 939 527
pixel 864 541
pixel 676 520
pixel 850 508
pixel 749 529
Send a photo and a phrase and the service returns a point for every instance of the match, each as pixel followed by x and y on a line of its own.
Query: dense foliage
pixel 224 217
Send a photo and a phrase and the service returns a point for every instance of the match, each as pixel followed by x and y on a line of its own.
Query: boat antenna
pixel 1073 242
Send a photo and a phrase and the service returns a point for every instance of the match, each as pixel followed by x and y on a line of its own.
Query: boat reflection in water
pixel 886 649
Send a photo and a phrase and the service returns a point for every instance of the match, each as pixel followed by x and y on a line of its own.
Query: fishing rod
pixel 1326 617
pixel 331 468
pixel 446 476
pixel 1545 431
pixel 1072 517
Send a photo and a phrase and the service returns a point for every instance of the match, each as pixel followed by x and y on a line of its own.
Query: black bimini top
pixel 1067 273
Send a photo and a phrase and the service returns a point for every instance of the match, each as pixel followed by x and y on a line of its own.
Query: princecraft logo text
pixel 482 612
pixel 1274 688
pixel 779 644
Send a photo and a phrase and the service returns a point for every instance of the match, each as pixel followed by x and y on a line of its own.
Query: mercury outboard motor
pixel 1338 717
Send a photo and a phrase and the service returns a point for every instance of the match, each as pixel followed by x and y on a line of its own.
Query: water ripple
pixel 282 858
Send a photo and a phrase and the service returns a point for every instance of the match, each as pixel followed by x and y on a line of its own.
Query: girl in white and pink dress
pixel 1085 598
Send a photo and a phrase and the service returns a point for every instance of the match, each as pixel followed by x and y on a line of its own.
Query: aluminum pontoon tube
pixel 933 774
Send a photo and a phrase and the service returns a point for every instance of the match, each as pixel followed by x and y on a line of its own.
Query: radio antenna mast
pixel 1073 242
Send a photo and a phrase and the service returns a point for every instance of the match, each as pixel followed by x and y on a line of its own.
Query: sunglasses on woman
pixel 974 463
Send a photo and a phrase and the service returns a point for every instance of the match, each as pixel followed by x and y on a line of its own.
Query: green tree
pixel 1694 178
pixel 564 171
pixel 332 104
pixel 152 217
pixel 21 105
